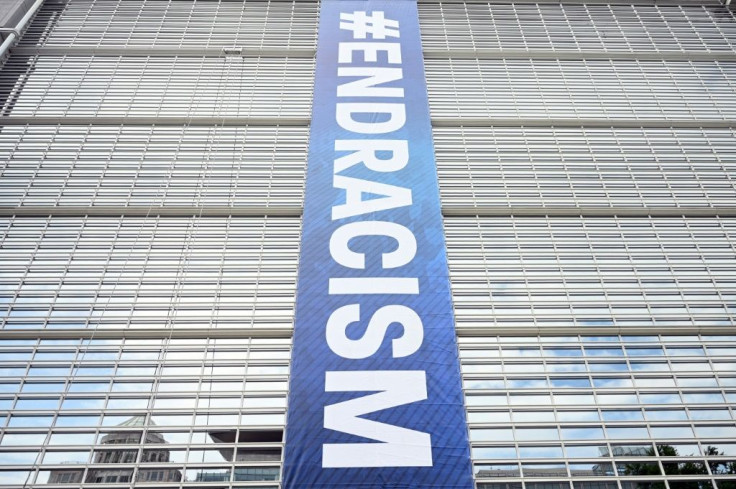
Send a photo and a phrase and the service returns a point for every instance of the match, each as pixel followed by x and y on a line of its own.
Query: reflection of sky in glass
pixel 533 416
pixel 72 439
pixel 586 451
pixel 709 414
pixel 66 457
pixel 18 458
pixel 569 382
pixel 622 415
pixel 15 439
pixel 30 421
pixel 65 421
pixel 562 352
pixel 14 477
pixel 588 433
pixel 36 404
pixel 83 404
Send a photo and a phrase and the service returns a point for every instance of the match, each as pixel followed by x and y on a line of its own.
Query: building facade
pixel 153 160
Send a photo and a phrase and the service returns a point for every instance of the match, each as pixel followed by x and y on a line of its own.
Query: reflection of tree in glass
pixel 721 467
pixel 645 468
pixel 682 468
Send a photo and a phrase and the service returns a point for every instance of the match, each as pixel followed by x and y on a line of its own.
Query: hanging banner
pixel 375 398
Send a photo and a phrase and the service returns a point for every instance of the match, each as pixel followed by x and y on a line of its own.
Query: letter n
pixel 398 447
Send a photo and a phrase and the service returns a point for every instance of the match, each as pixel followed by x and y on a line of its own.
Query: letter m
pixel 398 447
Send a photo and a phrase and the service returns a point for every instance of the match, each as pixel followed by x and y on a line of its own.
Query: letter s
pixel 375 333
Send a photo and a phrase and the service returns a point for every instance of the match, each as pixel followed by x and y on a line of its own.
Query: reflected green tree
pixel 644 468
pixel 721 467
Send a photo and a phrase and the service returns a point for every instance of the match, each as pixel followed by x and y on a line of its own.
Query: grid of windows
pixel 578 27
pixel 130 23
pixel 542 406
pixel 581 89
pixel 255 87
pixel 152 165
pixel 148 273
pixel 593 407
pixel 445 25
pixel 231 273
pixel 490 166
pixel 595 272
pixel 119 86
pixel 609 167
pixel 111 403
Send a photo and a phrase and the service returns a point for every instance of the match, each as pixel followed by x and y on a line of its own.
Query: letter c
pixel 346 257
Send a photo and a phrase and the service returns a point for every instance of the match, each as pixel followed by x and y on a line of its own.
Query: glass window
pixel 550 451
pixel 66 421
pixel 158 455
pixel 619 433
pixel 703 397
pixel 15 439
pixel 666 414
pixel 493 452
pixel 60 476
pixel 699 483
pixel 544 470
pixel 256 474
pixel 114 456
pixel 73 404
pixel 719 448
pixel 532 434
pixel 487 471
pixel 488 417
pixel 596 484
pixel 206 456
pixel 671 432
pixel 88 387
pixel 594 469
pixel 207 474
pixel 478 434
pixel 577 416
pixel 174 437
pixel 628 415
pixel 586 451
pixel 122 437
pixel 18 458
pixel 533 416
pixel 36 404
pixel 632 450
pixel 66 457
pixel 72 439
pixel 582 433
pixel 660 398
pixel 162 474
pixel 720 467
pixel 612 382
pixel 547 485
pixel 638 468
pixel 109 476
pixel 642 484
pixel 709 414
pixel 30 421
pixel 258 455
pixel 715 431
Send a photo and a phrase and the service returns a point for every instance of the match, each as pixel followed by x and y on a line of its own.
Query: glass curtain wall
pixel 152 162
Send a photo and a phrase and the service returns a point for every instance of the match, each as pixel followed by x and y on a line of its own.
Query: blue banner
pixel 375 398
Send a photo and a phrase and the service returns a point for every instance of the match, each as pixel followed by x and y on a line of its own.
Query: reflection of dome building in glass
pixel 64 476
pixel 126 435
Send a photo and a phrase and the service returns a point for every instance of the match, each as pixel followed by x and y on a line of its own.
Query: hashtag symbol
pixel 375 24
